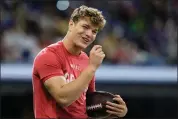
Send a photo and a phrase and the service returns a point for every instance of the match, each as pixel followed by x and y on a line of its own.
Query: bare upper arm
pixel 49 67
pixel 53 86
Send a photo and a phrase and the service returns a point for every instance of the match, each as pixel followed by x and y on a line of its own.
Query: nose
pixel 89 33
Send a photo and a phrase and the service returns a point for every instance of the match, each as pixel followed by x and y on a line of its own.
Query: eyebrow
pixel 86 25
pixel 90 27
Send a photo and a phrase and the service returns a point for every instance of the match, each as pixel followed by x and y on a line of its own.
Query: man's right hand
pixel 96 56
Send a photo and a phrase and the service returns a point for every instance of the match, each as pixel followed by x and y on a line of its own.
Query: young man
pixel 63 73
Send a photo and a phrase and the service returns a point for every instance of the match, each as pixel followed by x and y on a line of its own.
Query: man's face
pixel 83 32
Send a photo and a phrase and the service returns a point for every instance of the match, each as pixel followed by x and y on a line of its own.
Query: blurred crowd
pixel 137 32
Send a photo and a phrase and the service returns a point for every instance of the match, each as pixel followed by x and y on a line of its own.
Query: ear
pixel 71 24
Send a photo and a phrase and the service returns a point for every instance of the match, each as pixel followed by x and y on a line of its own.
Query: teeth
pixel 85 39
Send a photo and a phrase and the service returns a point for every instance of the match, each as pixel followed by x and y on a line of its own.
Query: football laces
pixel 94 107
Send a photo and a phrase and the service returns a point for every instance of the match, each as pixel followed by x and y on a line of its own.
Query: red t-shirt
pixel 55 60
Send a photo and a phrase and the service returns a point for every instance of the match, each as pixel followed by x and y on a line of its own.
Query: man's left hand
pixel 118 109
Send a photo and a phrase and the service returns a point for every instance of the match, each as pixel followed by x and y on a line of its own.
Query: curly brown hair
pixel 96 17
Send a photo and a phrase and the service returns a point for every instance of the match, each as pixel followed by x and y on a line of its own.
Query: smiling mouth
pixel 85 39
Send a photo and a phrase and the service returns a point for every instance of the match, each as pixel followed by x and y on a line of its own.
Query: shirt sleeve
pixel 91 87
pixel 48 65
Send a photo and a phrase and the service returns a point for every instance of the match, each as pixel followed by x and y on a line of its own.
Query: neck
pixel 70 46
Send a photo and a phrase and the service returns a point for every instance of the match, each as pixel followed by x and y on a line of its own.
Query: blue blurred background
pixel 139 40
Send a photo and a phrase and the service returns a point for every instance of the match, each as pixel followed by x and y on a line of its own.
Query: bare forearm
pixel 72 91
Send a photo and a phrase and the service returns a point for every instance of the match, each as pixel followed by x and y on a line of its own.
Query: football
pixel 96 104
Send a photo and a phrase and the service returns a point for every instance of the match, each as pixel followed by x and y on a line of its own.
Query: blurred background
pixel 139 40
